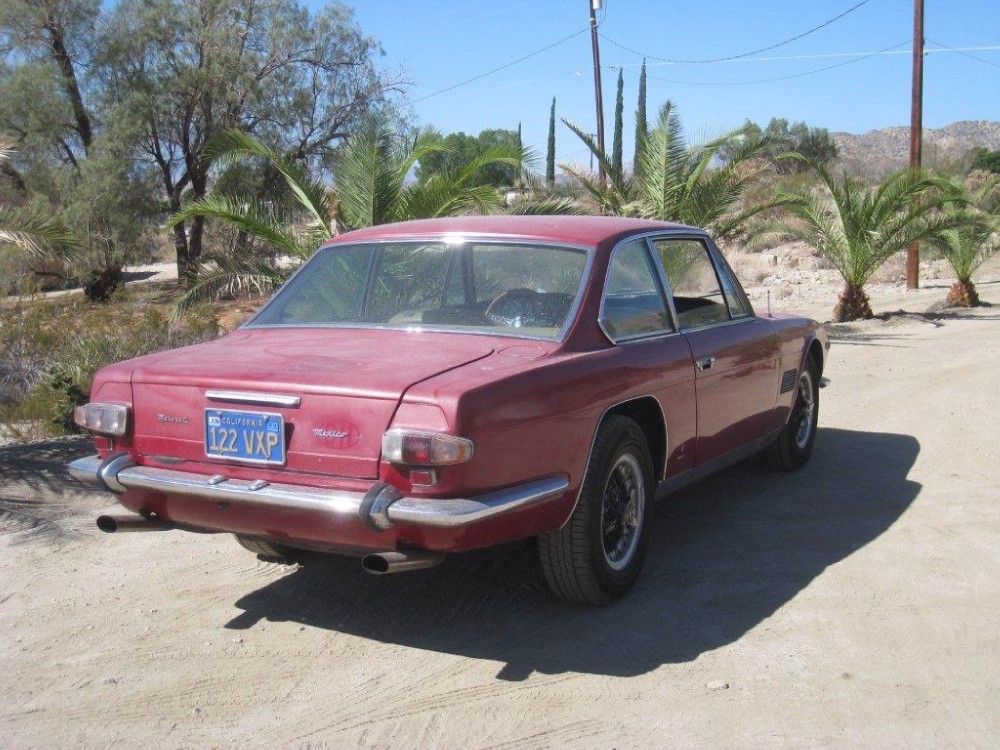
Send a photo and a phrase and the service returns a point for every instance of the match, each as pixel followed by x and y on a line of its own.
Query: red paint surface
pixel 532 408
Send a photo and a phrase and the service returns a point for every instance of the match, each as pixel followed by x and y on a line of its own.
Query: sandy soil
pixel 855 603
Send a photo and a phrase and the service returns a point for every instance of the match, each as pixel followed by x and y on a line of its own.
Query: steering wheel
pixel 514 308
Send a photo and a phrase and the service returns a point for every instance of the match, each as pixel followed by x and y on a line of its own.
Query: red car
pixel 439 386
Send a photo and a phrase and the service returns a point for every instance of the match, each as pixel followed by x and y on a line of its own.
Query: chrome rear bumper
pixel 380 507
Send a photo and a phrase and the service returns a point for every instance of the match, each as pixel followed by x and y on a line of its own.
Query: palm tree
pixel 32 229
pixel 967 247
pixel 370 188
pixel 858 226
pixel 221 273
pixel 613 197
pixel 676 181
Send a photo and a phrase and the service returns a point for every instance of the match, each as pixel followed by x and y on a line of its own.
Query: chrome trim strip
pixel 419 511
pixel 451 512
pixel 258 399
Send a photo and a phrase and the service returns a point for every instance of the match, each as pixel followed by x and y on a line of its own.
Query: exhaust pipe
pixel 380 563
pixel 117 524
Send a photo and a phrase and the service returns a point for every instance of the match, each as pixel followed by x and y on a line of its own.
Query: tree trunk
pixel 853 304
pixel 60 53
pixel 194 249
pixel 181 249
pixel 963 294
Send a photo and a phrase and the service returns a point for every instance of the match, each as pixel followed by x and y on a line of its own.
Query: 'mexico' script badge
pixel 172 418
pixel 321 433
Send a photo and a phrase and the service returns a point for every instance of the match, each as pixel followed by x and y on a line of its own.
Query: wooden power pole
pixel 594 5
pixel 916 129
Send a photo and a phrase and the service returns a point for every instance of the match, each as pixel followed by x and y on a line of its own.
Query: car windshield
pixel 490 287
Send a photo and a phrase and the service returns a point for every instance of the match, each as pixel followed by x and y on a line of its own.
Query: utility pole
pixel 916 129
pixel 594 6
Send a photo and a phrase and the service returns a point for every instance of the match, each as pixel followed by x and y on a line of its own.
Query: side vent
pixel 788 380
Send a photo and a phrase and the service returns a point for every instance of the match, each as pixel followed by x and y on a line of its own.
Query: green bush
pixel 64 363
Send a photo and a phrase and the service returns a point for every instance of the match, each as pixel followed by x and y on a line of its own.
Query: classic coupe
pixel 438 386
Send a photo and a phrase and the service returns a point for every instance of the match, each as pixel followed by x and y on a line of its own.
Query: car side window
pixel 698 295
pixel 633 305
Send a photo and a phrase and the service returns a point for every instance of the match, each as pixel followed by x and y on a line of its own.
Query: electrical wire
pixel 963 52
pixel 784 78
pixel 501 67
pixel 744 54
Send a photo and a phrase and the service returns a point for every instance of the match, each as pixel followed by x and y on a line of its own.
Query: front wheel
pixel 795 442
pixel 596 557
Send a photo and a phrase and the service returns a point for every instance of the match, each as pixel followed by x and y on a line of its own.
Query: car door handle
pixel 705 363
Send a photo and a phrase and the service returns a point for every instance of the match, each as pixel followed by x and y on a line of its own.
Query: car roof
pixel 574 230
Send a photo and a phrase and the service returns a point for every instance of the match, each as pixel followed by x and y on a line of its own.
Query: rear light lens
pixel 414 448
pixel 105 419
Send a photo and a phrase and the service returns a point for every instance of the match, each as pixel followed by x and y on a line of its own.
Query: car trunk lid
pixel 335 390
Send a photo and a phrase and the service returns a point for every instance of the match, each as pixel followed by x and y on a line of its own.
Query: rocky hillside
pixel 879 152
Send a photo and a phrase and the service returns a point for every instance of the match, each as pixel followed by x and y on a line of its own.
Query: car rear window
pixel 487 287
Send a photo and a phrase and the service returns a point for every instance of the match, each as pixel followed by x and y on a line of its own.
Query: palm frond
pixel 547 206
pixel 369 173
pixel 222 275
pixel 36 233
pixel 233 146
pixel 247 216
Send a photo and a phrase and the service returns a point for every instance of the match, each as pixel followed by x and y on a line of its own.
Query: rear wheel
pixel 794 445
pixel 597 555
pixel 265 550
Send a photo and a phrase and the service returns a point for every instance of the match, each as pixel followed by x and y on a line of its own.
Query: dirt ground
pixel 855 603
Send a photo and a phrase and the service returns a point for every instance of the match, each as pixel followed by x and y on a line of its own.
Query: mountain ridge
pixel 884 150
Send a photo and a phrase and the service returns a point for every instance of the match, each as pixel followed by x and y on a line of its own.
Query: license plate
pixel 245 436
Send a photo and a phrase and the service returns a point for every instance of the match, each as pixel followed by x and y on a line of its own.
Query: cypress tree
pixel 641 130
pixel 550 160
pixel 616 148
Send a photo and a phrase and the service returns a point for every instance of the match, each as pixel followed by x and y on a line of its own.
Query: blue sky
pixel 441 43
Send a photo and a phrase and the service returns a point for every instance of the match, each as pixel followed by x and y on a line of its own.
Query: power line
pixel 784 78
pixel 744 54
pixel 501 67
pixel 962 52
pixel 778 58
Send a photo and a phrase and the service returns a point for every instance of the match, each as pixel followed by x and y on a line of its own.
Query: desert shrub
pixel 61 350
pixel 103 282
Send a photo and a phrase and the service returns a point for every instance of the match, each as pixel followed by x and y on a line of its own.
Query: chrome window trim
pixel 455 239
pixel 722 265
pixel 498 333
pixel 742 320
pixel 719 265
pixel 657 279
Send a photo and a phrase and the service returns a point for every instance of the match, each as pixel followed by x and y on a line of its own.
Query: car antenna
pixel 769 304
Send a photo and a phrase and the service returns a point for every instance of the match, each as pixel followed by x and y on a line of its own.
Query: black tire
pixel 795 443
pixel 269 551
pixel 597 555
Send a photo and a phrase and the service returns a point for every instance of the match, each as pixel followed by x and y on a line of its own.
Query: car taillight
pixel 105 419
pixel 414 448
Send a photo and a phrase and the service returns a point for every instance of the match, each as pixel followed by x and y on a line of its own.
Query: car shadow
pixel 726 554
pixel 39 500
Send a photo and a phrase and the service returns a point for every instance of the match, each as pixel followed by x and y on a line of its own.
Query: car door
pixel 736 356
pixel 651 358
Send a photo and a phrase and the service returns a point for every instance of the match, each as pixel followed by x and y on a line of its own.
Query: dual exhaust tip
pixel 376 563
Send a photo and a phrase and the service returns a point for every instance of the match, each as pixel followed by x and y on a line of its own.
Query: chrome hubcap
pixel 805 410
pixel 622 511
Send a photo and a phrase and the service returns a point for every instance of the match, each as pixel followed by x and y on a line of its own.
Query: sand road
pixel 855 603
